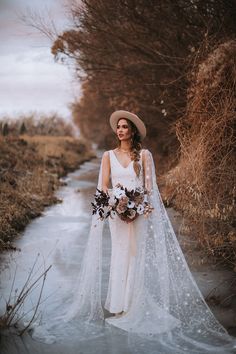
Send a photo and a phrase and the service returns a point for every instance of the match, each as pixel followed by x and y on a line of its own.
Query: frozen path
pixel 58 238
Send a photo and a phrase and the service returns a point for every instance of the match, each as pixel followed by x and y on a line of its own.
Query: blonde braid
pixel 135 149
pixel 135 156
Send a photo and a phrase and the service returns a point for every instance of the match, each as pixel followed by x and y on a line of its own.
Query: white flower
pixel 118 193
pixel 112 198
pixel 113 214
pixel 162 101
pixel 140 209
pixel 130 204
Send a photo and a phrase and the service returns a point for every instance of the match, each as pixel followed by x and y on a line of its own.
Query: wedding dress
pixel 124 239
pixel 149 277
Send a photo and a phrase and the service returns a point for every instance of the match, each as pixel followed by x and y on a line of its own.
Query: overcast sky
pixel 30 79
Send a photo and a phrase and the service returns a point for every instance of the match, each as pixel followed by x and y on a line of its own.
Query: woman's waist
pixel 128 186
pixel 126 181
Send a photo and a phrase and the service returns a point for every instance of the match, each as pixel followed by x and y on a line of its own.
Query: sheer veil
pixel 168 307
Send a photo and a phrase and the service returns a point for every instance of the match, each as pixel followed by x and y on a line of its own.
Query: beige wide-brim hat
pixel 131 116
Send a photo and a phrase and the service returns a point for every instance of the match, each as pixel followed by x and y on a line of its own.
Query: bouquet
pixel 127 204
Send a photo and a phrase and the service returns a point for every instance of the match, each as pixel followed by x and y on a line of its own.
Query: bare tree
pixel 137 55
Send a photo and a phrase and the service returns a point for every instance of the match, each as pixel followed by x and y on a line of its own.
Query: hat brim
pixel 115 116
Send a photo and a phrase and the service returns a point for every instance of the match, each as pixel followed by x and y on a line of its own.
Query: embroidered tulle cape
pixel 168 306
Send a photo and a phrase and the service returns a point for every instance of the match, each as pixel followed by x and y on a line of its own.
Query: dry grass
pixel 30 168
pixel 14 314
pixel 203 184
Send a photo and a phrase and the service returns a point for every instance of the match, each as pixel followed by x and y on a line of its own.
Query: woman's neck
pixel 125 146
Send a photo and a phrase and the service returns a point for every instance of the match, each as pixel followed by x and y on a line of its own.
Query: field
pixel 30 171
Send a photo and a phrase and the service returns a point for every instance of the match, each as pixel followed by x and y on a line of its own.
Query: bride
pixel 151 292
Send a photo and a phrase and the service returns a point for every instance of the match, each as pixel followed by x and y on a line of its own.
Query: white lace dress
pixel 125 238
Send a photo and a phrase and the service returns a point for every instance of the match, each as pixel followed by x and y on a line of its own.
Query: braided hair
pixel 136 146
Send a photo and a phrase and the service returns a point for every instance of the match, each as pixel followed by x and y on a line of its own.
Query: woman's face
pixel 123 130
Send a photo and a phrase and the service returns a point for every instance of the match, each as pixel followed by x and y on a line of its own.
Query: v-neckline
pixel 120 162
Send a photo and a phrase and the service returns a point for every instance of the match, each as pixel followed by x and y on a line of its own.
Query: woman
pixel 151 290
pixel 124 165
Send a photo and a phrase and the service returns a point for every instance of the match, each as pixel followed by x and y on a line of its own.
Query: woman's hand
pixel 105 189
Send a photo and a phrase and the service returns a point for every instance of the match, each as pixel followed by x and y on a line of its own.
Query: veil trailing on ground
pixel 167 305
